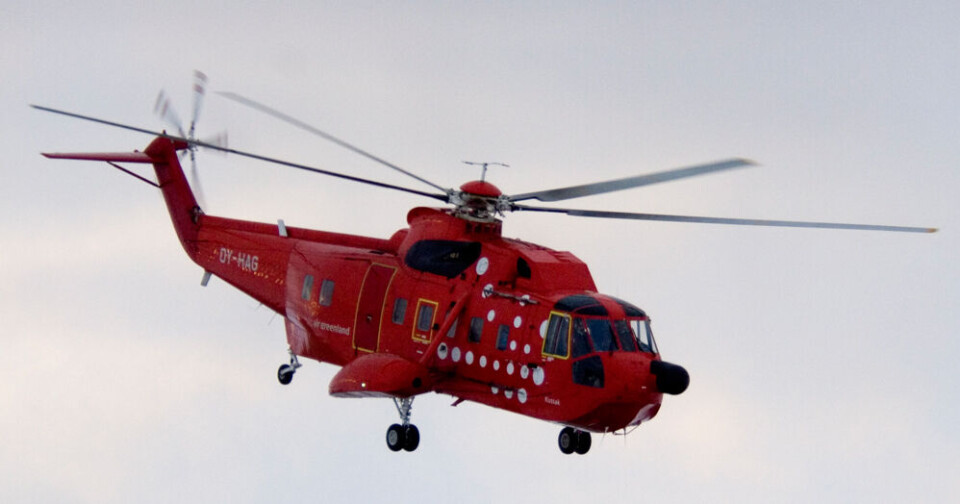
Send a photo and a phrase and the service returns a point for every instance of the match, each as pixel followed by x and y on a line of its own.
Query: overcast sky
pixel 823 363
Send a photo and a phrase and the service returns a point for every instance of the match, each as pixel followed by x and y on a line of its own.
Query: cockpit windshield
pixel 576 335
pixel 626 336
pixel 641 328
pixel 605 335
pixel 601 335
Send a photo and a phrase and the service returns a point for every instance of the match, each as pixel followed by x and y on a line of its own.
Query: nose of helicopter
pixel 643 374
pixel 636 383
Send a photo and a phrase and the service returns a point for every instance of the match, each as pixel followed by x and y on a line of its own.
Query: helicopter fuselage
pixel 447 305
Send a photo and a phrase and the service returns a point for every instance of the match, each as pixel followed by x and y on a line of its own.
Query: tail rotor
pixel 165 110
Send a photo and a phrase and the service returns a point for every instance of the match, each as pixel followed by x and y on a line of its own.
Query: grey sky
pixel 823 363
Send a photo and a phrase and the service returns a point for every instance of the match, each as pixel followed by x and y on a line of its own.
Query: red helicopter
pixel 447 305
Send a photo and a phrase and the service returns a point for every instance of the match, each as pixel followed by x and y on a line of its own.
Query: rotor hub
pixel 481 189
pixel 478 201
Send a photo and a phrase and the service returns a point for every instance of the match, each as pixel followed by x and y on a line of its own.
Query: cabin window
pixel 476 329
pixel 423 326
pixel 399 311
pixel 581 342
pixel 453 328
pixel 601 335
pixel 307 287
pixel 503 337
pixel 326 292
pixel 558 333
pixel 627 341
pixel 425 317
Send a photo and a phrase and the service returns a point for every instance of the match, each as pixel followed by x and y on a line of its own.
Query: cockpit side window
pixel 558 332
pixel 601 335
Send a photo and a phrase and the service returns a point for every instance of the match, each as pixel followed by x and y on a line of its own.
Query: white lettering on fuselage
pixel 333 328
pixel 550 400
pixel 244 261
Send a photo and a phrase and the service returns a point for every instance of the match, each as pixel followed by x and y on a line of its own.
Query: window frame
pixel 551 329
pixel 424 336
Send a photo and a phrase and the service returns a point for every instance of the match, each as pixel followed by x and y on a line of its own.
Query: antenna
pixel 483 174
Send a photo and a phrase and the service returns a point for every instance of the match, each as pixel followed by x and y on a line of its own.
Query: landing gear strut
pixel 574 440
pixel 286 371
pixel 405 435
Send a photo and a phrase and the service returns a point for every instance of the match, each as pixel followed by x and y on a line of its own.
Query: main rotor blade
pixel 326 136
pixel 441 197
pixel 723 220
pixel 631 182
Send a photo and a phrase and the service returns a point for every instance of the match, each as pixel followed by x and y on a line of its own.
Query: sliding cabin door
pixel 373 293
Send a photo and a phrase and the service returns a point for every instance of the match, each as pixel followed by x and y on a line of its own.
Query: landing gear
pixel 403 436
pixel 285 374
pixel 574 440
pixel 286 371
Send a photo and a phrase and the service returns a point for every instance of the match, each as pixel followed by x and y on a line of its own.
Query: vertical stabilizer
pixel 181 203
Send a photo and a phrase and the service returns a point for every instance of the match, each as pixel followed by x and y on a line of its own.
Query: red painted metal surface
pixel 371 306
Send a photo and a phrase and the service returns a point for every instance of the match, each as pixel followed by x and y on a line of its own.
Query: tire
pixel 395 437
pixel 285 374
pixel 567 440
pixel 411 438
pixel 584 440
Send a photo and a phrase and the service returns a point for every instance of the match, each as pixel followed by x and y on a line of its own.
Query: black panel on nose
pixel 671 378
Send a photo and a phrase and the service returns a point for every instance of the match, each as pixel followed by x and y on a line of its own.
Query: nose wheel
pixel 574 440
pixel 403 436
pixel 286 371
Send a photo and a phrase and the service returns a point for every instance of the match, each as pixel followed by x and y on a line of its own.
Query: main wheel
pixel 584 441
pixel 285 374
pixel 396 438
pixel 411 437
pixel 567 440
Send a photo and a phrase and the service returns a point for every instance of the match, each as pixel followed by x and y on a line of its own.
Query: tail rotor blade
pixel 195 180
pixel 199 90
pixel 219 140
pixel 164 109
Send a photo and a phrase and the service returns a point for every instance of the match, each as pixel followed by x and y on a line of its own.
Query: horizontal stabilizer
pixel 116 157
pixel 380 375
